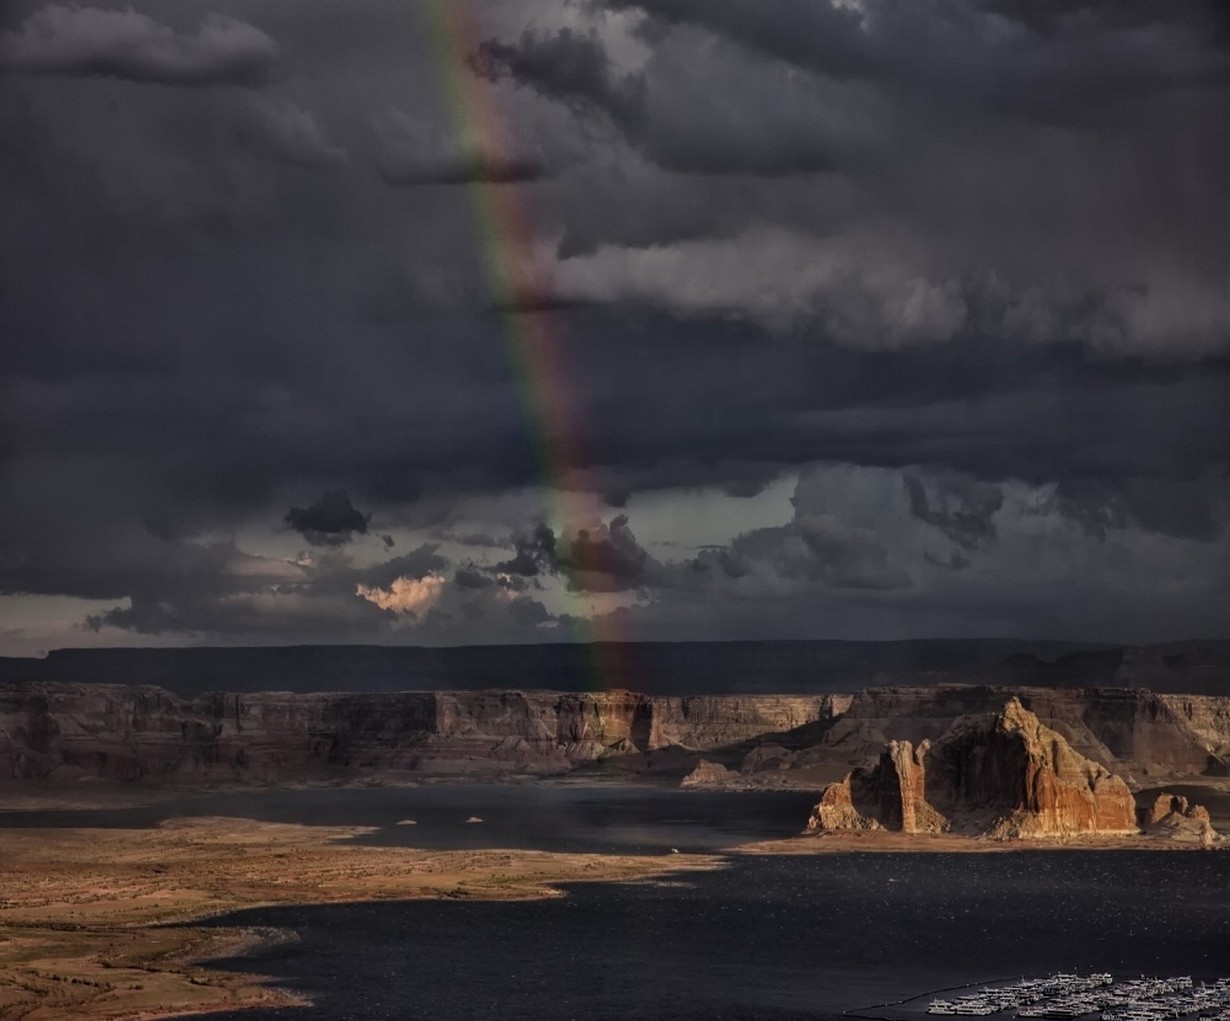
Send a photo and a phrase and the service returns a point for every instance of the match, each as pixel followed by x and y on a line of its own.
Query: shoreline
pixel 103 923
pixel 97 924
pixel 889 841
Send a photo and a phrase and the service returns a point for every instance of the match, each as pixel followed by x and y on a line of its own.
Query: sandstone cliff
pixel 144 732
pixel 1005 774
pixel 835 810
pixel 1132 732
pixel 805 741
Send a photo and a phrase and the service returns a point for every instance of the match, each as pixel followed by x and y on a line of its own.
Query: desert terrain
pixel 96 923
pixel 104 922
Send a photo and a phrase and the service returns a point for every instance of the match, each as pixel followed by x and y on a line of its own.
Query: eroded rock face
pixel 1173 817
pixel 707 774
pixel 132 733
pixel 1053 790
pixel 1132 732
pixel 836 811
pixel 1004 774
pixel 893 795
pixel 902 790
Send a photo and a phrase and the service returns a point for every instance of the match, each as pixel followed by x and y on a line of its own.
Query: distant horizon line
pixel 1093 644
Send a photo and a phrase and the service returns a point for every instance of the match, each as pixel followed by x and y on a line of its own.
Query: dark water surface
pixel 539 816
pixel 787 938
pixel 769 937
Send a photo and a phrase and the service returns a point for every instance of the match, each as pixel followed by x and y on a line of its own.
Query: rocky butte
pixel 1002 775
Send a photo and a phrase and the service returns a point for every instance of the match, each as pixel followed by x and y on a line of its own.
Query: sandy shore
pixel 82 911
pixel 946 843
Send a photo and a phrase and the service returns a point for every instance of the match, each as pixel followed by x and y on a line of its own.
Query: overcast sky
pixel 461 321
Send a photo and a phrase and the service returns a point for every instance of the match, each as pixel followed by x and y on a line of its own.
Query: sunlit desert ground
pixel 85 913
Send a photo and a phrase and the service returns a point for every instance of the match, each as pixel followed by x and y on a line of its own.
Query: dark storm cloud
pixel 417 564
pixel 682 129
pixel 470 577
pixel 567 65
pixel 534 554
pixel 1048 64
pixel 88 41
pixel 330 521
pixel 411 154
pixel 1008 278
pixel 873 77
pixel 821 35
pixel 606 558
pixel 597 557
pixel 1184 510
pixel 962 509
pixel 812 550
pixel 956 560
pixel 461 169
pixel 287 131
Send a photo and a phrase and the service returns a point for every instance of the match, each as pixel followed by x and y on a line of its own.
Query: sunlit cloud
pixel 405 595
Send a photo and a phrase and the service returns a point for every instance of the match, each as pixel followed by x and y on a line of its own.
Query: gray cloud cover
pixel 83 41
pixel 960 267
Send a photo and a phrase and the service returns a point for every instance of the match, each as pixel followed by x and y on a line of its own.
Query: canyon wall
pixel 1131 731
pixel 128 733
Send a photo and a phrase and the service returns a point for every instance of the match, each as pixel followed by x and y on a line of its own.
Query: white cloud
pixel 405 595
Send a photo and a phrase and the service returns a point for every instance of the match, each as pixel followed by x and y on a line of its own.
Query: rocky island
pixel 1002 776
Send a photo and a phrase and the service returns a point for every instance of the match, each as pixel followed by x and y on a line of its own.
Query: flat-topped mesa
pixel 1004 774
pixel 66 731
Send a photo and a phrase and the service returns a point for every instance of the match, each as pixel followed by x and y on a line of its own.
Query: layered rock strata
pixel 1133 732
pixel 131 733
pixel 1004 774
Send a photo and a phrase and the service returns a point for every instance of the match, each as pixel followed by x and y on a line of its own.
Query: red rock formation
pixel 1130 732
pixel 1033 779
pixel 1173 817
pixel 902 790
pixel 836 811
pixel 1006 774
pixel 893 795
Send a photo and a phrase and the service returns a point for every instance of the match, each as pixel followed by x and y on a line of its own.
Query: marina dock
pixel 1068 997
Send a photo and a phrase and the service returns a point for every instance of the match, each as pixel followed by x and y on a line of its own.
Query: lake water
pixel 543 816
pixel 769 937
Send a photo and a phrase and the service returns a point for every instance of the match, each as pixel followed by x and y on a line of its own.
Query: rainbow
pixel 519 284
